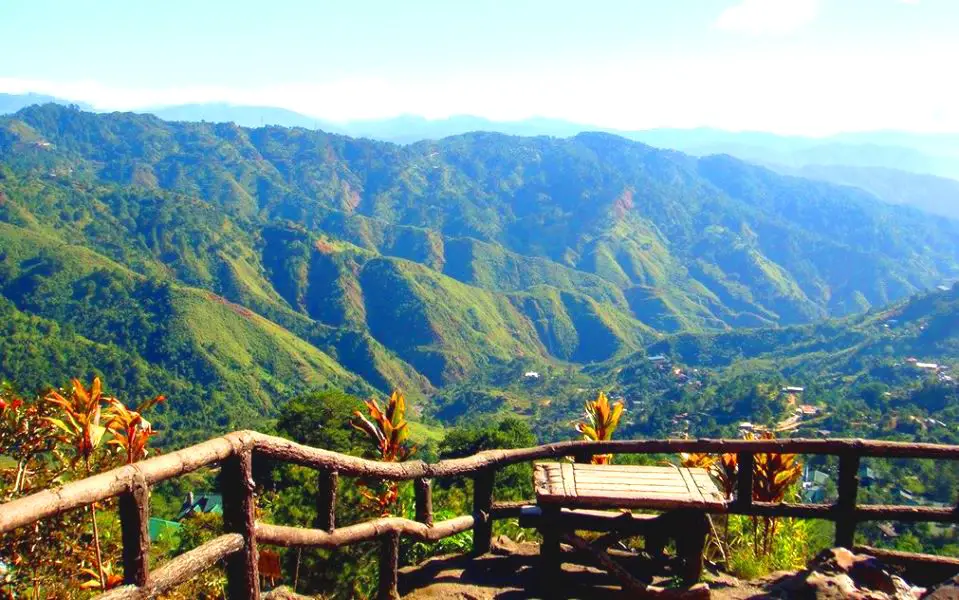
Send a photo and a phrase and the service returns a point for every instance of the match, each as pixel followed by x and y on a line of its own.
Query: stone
pixel 947 590
pixel 830 587
pixel 871 574
pixel 833 560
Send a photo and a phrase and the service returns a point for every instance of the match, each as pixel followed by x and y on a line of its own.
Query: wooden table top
pixel 576 485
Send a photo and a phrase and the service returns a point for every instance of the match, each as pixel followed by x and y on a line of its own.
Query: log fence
pixel 238 545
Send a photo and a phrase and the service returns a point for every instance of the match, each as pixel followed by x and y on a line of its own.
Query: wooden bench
pixel 569 494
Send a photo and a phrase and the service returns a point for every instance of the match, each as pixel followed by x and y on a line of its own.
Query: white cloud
pixel 811 93
pixel 768 17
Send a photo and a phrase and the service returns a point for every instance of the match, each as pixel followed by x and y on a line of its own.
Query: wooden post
pixel 135 532
pixel 846 503
pixel 482 509
pixel 550 552
pixel 691 543
pixel 326 499
pixel 389 566
pixel 744 479
pixel 239 516
pixel 424 500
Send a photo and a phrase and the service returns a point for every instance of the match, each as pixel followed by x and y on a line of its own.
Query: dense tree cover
pixel 486 276
pixel 419 266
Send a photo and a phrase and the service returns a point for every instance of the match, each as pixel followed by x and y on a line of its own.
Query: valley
pixel 246 265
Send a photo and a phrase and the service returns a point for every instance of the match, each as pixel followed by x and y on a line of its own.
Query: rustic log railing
pixel 238 545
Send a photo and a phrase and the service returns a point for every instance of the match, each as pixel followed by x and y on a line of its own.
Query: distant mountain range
pixel 235 266
pixel 884 163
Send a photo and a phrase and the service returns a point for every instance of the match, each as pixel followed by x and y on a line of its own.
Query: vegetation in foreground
pixel 67 435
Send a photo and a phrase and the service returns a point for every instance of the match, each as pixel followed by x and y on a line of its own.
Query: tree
pixel 321 419
pixel 513 482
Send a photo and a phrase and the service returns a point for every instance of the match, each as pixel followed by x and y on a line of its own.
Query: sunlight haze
pixel 810 67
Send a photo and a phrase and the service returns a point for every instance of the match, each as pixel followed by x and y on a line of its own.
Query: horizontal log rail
pixel 239 545
pixel 181 569
pixel 281 535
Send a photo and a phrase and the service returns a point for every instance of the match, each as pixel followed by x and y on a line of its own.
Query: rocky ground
pixel 510 572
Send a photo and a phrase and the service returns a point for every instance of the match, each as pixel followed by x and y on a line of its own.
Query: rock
pixel 947 590
pixel 814 584
pixel 833 560
pixel 870 574
pixel 284 593
pixel 827 587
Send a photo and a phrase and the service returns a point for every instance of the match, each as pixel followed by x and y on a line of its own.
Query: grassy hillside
pixel 257 262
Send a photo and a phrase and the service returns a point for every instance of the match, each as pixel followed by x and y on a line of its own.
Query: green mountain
pixel 934 195
pixel 256 262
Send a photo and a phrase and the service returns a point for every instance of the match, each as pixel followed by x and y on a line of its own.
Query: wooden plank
pixel 677 483
pixel 693 487
pixel 541 479
pixel 638 489
pixel 482 506
pixel 644 502
pixel 135 532
pixel 628 477
pixel 623 469
pixel 569 480
pixel 423 493
pixel 636 483
pixel 744 481
pixel 389 567
pixel 846 503
pixel 239 516
pixel 326 499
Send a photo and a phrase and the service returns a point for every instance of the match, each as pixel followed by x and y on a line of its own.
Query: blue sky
pixel 791 66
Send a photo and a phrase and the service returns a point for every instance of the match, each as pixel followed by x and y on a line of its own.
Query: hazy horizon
pixel 793 67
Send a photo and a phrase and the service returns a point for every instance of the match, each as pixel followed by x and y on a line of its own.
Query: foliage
pixel 386 427
pixel 601 422
pixel 54 557
pixel 131 432
pixel 243 267
pixel 387 430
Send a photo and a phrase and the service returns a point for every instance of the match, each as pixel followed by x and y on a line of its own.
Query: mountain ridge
pixel 374 265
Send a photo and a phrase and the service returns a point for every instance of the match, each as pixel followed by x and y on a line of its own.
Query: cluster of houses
pixel 815 482
pixel 940 371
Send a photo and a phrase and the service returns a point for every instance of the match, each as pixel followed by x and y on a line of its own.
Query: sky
pixel 809 67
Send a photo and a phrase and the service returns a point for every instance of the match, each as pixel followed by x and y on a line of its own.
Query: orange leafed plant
pixel 722 467
pixel 387 429
pixel 93 583
pixel 81 410
pixel 774 473
pixel 698 460
pixel 602 418
pixel 131 432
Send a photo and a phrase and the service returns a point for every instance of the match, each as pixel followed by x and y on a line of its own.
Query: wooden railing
pixel 238 545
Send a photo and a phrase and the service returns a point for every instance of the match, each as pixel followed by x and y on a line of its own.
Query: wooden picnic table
pixel 575 485
pixel 568 494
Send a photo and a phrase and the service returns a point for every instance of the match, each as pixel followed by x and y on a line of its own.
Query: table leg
pixel 690 544
pixel 551 561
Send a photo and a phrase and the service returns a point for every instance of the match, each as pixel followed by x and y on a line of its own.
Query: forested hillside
pixel 246 264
